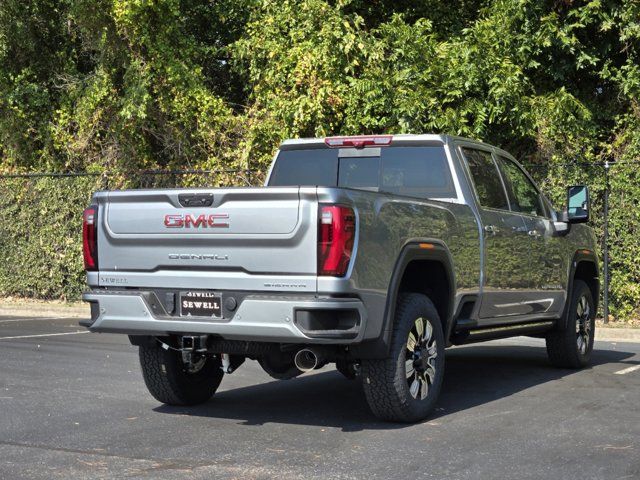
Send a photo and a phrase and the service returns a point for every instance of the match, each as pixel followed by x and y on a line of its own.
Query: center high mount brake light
pixel 360 141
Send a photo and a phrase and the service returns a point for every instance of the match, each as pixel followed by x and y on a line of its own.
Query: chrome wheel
pixel 421 354
pixel 583 325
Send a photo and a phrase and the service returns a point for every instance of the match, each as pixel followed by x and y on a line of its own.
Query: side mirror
pixel 578 204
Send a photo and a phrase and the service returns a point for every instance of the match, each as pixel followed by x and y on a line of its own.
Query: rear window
pixel 411 171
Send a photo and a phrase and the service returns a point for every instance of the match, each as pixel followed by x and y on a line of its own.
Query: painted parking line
pixel 38 319
pixel 624 371
pixel 43 335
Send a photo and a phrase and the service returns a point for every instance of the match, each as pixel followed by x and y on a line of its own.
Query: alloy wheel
pixel 583 325
pixel 421 354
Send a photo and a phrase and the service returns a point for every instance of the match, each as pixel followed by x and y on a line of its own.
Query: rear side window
pixel 421 172
pixel 486 179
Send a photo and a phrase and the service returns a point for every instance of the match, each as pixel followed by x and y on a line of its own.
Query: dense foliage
pixel 124 85
pixel 39 246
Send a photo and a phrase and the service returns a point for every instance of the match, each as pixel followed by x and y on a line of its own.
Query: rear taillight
pixel 90 238
pixel 336 234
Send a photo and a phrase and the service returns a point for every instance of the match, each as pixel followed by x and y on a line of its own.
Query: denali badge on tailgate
pixel 188 220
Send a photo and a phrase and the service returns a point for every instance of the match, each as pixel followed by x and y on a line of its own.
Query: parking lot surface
pixel 74 405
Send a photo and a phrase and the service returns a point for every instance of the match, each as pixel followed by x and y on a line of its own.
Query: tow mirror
pixel 578 204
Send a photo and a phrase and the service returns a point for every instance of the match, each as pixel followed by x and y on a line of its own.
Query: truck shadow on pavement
pixel 475 375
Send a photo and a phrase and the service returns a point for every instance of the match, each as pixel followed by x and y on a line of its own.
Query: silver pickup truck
pixel 373 252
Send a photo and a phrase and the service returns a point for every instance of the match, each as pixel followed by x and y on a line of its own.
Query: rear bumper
pixel 258 317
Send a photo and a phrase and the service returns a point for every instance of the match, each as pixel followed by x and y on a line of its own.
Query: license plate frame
pixel 200 303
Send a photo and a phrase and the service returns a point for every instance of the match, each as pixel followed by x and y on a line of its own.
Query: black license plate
pixel 200 304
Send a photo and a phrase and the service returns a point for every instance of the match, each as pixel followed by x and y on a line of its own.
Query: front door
pixel 545 259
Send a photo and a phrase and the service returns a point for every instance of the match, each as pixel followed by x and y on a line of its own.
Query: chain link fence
pixel 154 178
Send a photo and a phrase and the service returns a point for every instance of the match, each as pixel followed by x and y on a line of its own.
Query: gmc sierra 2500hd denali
pixel 373 252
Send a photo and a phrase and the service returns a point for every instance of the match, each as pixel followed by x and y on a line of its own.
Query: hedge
pixel 41 236
pixel 41 225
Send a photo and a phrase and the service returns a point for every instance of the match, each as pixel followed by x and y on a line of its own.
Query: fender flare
pixel 580 256
pixel 413 250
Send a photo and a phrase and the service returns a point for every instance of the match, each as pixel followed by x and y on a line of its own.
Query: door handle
pixel 491 229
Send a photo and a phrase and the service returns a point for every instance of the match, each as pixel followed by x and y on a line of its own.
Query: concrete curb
pixel 44 310
pixel 608 334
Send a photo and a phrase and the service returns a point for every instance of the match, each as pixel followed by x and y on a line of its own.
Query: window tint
pixel 417 172
pixel 523 195
pixel 308 167
pixel 359 172
pixel 486 179
pixel 412 171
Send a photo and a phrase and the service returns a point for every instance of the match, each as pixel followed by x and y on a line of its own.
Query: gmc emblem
pixel 213 220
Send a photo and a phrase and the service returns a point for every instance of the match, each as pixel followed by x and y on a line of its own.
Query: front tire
pixel 405 386
pixel 571 347
pixel 171 381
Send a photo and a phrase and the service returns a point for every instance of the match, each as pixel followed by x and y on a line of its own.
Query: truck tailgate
pixel 248 238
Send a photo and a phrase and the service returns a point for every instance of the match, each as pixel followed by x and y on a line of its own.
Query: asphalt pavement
pixel 73 405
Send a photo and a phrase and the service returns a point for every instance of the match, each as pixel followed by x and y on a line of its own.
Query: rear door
pixel 505 281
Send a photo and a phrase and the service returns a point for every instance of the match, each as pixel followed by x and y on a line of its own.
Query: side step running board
pixel 462 336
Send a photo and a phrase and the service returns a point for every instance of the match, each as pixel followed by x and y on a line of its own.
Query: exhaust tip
pixel 306 360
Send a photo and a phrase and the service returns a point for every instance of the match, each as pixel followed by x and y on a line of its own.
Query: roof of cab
pixel 295 143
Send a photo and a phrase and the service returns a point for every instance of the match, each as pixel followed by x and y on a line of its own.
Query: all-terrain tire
pixel 169 380
pixel 571 345
pixel 388 383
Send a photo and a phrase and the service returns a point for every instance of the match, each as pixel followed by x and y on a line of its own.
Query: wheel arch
pixel 584 266
pixel 425 267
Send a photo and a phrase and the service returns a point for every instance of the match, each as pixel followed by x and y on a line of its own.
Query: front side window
pixel 486 179
pixel 523 195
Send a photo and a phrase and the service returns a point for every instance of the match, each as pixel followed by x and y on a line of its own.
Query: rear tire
pixel 170 381
pixel 571 346
pixel 405 386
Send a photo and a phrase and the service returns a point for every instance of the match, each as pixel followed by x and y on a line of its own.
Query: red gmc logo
pixel 214 220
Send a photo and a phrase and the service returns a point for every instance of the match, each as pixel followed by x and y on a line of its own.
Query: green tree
pixel 123 85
